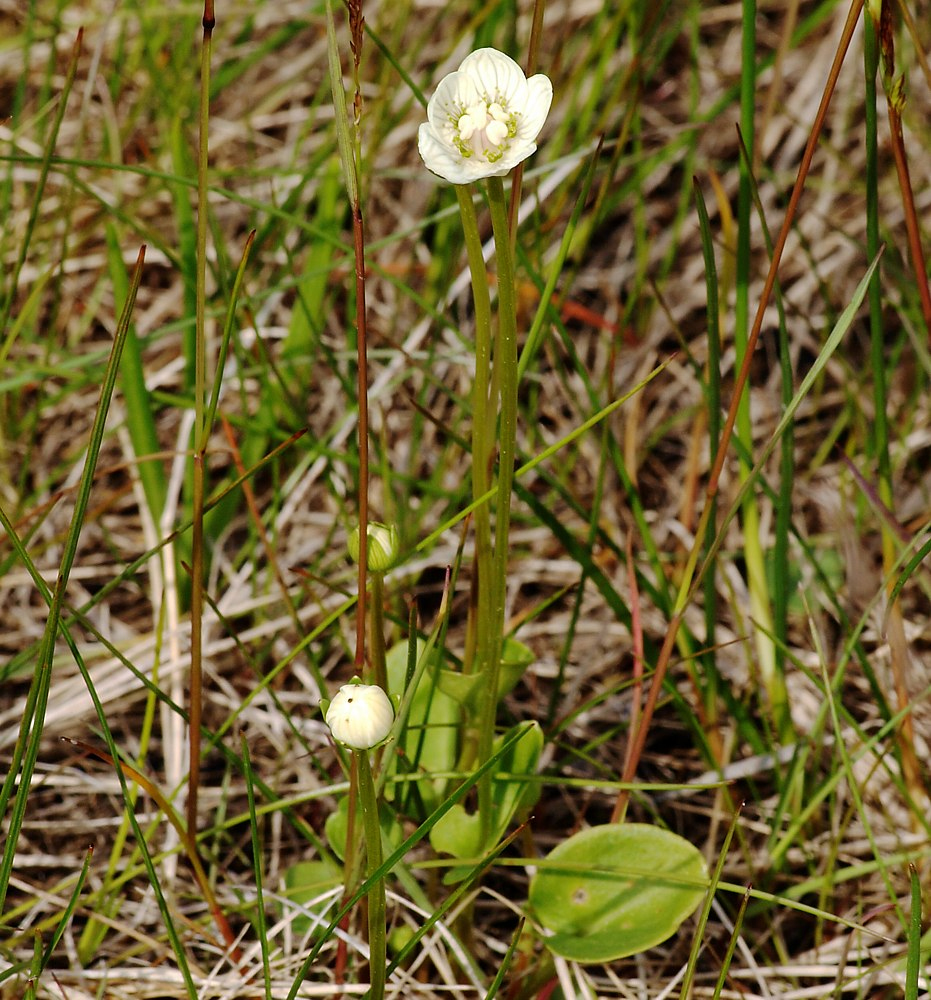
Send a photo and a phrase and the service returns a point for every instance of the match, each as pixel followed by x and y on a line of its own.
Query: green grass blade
pixel 228 326
pixel 31 729
pixel 140 417
pixel 507 961
pixel 155 881
pixel 69 909
pixel 731 946
pixel 533 341
pixel 713 405
pixel 702 922
pixel 257 860
pixel 543 455
pixel 39 191
pixel 833 341
pixel 913 961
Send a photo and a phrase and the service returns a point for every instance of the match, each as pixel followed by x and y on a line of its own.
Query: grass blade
pixel 26 752
pixel 39 192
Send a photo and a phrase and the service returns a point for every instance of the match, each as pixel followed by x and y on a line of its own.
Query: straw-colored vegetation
pixel 789 739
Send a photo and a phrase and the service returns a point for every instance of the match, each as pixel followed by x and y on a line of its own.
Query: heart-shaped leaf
pixel 466 688
pixel 337 825
pixel 459 834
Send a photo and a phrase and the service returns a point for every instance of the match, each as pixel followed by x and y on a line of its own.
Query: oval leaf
pixel 616 890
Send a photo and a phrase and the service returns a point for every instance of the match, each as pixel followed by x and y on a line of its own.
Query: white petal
pixel 441 158
pixel 453 94
pixel 496 74
pixel 516 154
pixel 539 99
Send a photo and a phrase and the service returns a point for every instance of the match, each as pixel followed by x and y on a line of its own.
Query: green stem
pixel 480 628
pixel 201 432
pixel 880 424
pixel 376 899
pixel 377 638
pixel 483 429
pixel 506 378
pixel 760 606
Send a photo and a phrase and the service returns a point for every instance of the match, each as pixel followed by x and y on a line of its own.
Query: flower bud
pixel 383 547
pixel 360 716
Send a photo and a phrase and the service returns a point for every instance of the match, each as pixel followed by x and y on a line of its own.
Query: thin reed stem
pixel 201 431
pixel 358 243
pixel 760 609
pixel 878 40
pixel 691 577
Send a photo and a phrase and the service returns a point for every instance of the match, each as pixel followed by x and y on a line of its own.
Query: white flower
pixel 483 119
pixel 360 715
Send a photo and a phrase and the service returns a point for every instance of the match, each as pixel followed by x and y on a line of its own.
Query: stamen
pixel 496 132
pixel 466 127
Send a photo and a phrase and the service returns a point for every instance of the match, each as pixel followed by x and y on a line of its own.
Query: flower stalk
pixel 373 854
pixel 478 655
pixel 482 121
pixel 360 717
pixel 505 377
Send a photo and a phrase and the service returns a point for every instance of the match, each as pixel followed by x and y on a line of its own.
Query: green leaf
pixel 306 883
pixel 430 738
pixel 466 688
pixel 612 891
pixel 337 826
pixel 458 833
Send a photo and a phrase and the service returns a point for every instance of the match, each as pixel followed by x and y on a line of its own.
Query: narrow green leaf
pixel 26 750
pixel 140 417
pixel 913 960
pixel 39 191
pixel 340 111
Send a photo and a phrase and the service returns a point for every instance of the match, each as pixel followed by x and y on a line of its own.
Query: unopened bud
pixel 360 715
pixel 384 544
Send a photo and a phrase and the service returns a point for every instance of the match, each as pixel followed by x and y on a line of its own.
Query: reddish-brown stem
pixel 187 837
pixel 636 633
pixel 195 700
pixel 200 435
pixel 517 177
pixel 911 220
pixel 665 654
pixel 359 247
